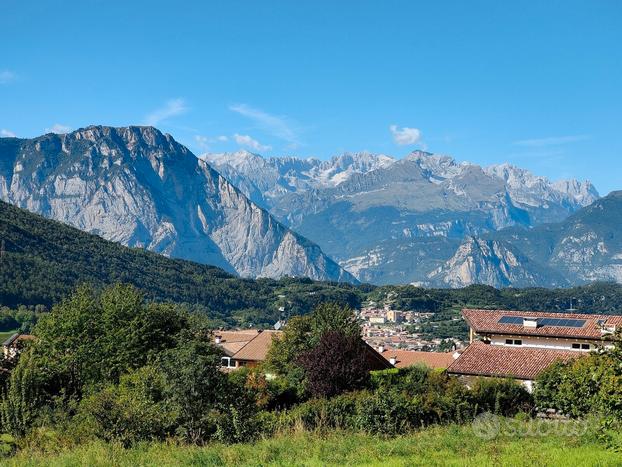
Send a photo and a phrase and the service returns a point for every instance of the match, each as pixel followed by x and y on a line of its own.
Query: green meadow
pixel 436 446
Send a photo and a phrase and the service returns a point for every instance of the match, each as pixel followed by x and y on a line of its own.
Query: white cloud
pixel 203 142
pixel 58 128
pixel 7 77
pixel 281 127
pixel 405 136
pixel 245 140
pixel 172 108
pixel 7 133
pixel 551 141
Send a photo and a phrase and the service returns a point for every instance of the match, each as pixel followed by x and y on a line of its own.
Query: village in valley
pixel 501 344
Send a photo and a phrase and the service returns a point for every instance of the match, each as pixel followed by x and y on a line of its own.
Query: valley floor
pixel 438 446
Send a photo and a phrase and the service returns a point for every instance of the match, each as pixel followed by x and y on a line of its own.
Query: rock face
pixel 491 262
pixel 391 220
pixel 585 247
pixel 139 187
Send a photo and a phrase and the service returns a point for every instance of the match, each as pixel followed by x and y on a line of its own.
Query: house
pixel 521 344
pixel 406 358
pixel 250 348
pixel 12 346
pixel 244 348
pixel 395 316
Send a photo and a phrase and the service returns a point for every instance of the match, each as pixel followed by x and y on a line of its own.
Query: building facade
pixel 521 344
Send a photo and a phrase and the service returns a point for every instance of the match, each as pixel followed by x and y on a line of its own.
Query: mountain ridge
pixel 138 186
pixel 390 220
pixel 583 248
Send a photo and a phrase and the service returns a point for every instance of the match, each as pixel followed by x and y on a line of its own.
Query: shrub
pixel 413 379
pixel 336 412
pixel 501 396
pixel 134 410
pixel 388 413
pixel 582 386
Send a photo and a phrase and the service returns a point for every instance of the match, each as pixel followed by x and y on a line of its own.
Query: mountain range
pixel 139 187
pixel 424 219
pixel 389 220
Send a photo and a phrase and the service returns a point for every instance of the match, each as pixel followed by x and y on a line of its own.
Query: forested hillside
pixel 44 260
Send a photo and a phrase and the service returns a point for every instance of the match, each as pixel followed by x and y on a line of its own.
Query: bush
pixel 389 413
pixel 589 384
pixel 336 412
pixel 413 379
pixel 135 410
pixel 501 396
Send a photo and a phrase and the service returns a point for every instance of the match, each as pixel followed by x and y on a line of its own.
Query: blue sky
pixel 534 83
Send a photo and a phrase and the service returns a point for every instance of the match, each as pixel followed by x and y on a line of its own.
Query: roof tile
pixel 508 362
pixel 487 321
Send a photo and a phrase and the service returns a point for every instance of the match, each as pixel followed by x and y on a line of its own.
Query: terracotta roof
pixel 512 362
pixel 251 345
pixel 411 357
pixel 257 348
pixel 233 341
pixel 487 321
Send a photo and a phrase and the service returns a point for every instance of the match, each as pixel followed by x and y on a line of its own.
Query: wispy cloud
pixel 58 128
pixel 279 126
pixel 551 141
pixel 245 140
pixel 7 133
pixel 405 136
pixel 171 108
pixel 7 76
pixel 203 142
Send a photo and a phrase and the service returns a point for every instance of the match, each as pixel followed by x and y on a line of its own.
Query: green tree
pixel 302 334
pixel 134 410
pixel 195 385
pixel 89 341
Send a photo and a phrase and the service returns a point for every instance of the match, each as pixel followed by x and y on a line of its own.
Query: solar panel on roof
pixel 510 320
pixel 558 322
pixel 562 322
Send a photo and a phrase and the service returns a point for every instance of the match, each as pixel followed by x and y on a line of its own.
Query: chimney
pixel 380 348
pixel 217 339
pixel 393 360
pixel 530 322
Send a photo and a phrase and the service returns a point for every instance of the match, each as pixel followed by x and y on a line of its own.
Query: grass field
pixel 438 446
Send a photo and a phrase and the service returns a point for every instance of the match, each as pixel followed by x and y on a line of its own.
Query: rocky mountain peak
pixel 139 187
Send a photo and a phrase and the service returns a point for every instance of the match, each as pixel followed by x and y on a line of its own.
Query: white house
pixel 520 344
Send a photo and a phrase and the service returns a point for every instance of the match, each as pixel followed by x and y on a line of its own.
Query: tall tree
pixel 337 363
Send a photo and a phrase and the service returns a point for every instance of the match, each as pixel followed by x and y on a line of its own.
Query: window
pixel 227 362
pixel 513 342
pixel 578 346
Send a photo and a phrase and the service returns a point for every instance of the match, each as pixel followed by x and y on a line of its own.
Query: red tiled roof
pixel 487 321
pixel 482 359
pixel 250 345
pixel 411 357
pixel 257 348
